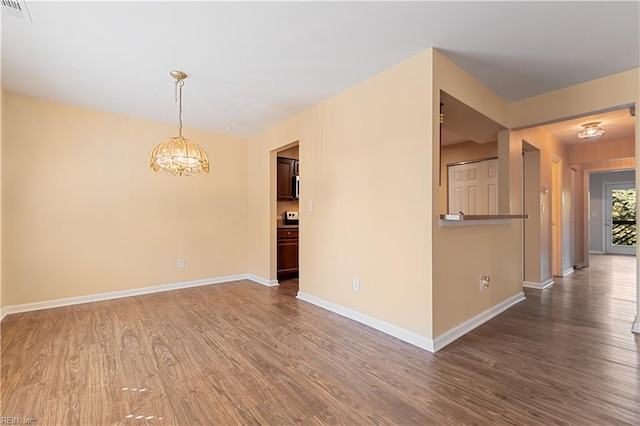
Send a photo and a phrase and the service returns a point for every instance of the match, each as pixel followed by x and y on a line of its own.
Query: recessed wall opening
pixel 468 146
pixel 285 217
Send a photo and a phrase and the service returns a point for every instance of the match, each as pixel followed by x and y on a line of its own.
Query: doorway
pixel 620 218
pixel 285 217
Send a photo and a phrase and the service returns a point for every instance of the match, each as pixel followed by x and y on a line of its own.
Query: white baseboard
pixel 540 286
pixel 393 330
pixel 567 271
pixel 27 307
pixel 263 281
pixel 462 329
pixel 635 327
pixel 596 252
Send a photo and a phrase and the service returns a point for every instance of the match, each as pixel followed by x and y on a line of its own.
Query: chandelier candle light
pixel 178 155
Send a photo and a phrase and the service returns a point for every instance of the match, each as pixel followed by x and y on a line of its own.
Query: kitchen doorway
pixel 286 220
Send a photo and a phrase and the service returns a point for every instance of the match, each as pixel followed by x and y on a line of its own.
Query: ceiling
pixel 253 64
pixel 618 125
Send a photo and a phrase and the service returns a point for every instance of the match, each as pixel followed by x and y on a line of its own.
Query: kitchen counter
pixel 486 219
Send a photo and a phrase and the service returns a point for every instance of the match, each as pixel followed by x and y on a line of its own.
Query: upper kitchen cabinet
pixel 287 171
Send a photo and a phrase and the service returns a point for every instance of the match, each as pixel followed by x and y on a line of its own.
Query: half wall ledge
pixel 478 219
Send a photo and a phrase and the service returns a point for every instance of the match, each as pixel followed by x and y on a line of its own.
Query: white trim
pixel 540 286
pixel 635 327
pixel 596 252
pixel 462 329
pixel 263 281
pixel 568 271
pixel 36 306
pixel 393 330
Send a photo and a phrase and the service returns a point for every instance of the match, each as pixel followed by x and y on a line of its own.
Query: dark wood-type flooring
pixel 241 353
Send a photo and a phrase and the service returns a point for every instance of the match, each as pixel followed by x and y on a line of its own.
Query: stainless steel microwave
pixel 296 187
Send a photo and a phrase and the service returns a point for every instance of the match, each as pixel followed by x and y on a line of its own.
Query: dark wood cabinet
pixel 287 253
pixel 287 168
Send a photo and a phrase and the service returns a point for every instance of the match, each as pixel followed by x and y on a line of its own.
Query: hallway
pixel 569 348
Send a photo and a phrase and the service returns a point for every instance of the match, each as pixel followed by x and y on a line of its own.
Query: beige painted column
pixel 510 175
pixel 635 327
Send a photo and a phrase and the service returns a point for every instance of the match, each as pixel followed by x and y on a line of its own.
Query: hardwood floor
pixel 241 353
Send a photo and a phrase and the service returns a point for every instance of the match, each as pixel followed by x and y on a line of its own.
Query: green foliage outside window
pixel 623 210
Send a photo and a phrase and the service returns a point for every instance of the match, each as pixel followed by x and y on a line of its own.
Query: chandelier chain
pixel 178 98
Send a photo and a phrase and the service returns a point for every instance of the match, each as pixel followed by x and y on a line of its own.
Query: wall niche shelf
pixel 478 219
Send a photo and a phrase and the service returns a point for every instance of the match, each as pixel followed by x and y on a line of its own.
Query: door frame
pixel 556 216
pixel 609 248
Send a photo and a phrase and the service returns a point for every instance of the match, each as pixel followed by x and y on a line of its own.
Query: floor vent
pixel 17 9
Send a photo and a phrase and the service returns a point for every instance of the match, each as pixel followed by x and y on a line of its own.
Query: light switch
pixel 310 206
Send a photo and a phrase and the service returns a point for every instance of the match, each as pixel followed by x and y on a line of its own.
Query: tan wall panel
pixel 84 214
pixel 599 151
pixel 366 167
pixel 462 255
pixel 575 101
pixel 1 206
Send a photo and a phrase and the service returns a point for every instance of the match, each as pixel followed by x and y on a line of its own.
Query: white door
pixel 491 186
pixel 620 218
pixel 463 188
pixel 473 188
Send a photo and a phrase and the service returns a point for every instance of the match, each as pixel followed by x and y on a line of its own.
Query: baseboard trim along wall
pixel 635 327
pixel 567 271
pixel 390 329
pixel 540 286
pixel 462 329
pixel 263 281
pixel 27 307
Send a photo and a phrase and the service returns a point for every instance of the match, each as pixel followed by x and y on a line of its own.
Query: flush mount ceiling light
pixel 178 155
pixel 591 131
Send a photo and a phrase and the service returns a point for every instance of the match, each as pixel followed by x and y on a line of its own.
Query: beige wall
pixel 462 255
pixel 466 151
pixel 1 208
pixel 366 166
pixel 601 151
pixel 576 101
pixel 540 225
pixel 84 214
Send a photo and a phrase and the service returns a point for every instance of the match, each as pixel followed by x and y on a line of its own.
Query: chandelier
pixel 178 155
pixel 591 131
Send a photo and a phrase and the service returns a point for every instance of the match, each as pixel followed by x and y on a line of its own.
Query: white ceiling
pixel 253 64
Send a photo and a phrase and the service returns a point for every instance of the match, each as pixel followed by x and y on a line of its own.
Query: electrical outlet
pixel 180 263
pixel 356 284
pixel 484 283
